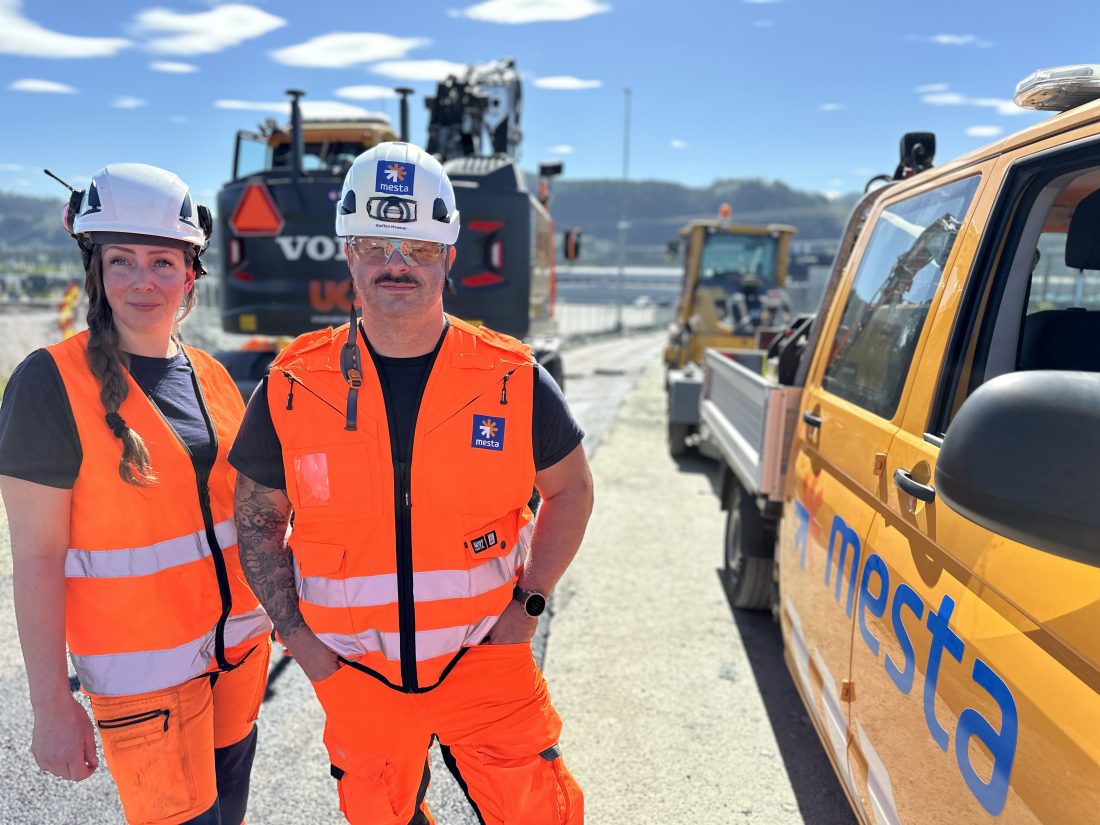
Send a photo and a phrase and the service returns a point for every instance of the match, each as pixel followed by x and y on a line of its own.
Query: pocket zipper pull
pixel 290 392
pixel 504 388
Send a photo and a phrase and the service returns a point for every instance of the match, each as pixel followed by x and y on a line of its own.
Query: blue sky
pixel 811 92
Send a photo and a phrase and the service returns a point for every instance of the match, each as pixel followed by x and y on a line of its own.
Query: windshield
pixel 323 156
pixel 727 259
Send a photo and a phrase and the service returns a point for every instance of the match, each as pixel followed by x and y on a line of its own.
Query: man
pixel 407 447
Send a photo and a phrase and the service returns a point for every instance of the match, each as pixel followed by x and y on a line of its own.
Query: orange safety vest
pixel 401 568
pixel 154 591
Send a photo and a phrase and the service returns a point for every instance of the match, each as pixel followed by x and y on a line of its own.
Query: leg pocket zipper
pixel 135 719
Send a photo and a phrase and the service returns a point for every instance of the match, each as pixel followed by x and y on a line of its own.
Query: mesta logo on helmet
pixel 396 190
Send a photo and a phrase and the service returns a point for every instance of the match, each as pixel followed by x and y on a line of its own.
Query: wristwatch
pixel 534 603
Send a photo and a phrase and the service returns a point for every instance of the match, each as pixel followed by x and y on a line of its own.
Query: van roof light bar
pixel 1059 88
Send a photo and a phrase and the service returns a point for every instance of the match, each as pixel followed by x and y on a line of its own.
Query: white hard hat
pixel 137 199
pixel 397 190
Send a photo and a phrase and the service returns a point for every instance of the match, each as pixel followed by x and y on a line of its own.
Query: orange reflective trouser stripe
pixel 493 717
pixel 159 746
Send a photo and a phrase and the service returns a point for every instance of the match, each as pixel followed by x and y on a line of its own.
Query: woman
pixel 120 503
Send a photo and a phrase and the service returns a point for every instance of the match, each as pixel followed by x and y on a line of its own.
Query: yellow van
pixel 950 662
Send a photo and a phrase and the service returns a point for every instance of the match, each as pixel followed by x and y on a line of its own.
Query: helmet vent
pixel 347 205
pixel 440 212
pixel 93 200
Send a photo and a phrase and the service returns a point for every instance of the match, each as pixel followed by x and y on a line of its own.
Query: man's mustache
pixel 389 278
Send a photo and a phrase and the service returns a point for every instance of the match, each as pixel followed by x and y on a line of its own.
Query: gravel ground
pixel 674 712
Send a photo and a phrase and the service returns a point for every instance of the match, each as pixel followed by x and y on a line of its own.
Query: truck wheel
pixel 557 371
pixel 748 562
pixel 677 438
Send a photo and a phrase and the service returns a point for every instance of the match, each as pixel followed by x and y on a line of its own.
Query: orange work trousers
pixel 496 728
pixel 159 746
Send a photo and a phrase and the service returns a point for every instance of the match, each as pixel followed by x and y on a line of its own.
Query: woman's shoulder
pixel 39 369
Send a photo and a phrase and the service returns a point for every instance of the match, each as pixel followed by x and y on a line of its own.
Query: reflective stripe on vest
pixel 428 586
pixel 429 643
pixel 144 561
pixel 117 674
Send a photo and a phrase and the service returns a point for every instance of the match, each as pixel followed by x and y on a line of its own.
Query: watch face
pixel 534 605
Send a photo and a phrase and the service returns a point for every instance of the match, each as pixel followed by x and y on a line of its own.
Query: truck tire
pixel 749 551
pixel 556 368
pixel 677 438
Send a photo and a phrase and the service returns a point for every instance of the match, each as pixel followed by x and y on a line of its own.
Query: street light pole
pixel 623 223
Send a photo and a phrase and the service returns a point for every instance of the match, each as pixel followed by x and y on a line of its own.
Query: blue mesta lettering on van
pixel 394 177
pixel 488 433
pixel 909 615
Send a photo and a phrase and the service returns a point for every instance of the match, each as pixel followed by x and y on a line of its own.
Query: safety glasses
pixel 377 251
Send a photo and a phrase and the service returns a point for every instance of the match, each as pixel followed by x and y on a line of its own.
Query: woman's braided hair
pixel 107 363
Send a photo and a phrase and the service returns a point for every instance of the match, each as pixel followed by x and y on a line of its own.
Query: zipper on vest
pixel 406 606
pixel 202 483
pixel 504 388
pixel 402 516
pixel 135 719
pixel 292 380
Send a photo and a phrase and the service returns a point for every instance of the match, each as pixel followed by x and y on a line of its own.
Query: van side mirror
pixel 1018 459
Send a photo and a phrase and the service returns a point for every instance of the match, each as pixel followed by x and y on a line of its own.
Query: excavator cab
pixel 732 289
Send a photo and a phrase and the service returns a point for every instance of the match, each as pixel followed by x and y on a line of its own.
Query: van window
pixel 890 298
pixel 1038 308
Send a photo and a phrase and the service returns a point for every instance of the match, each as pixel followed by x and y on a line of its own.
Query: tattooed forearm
pixel 262 514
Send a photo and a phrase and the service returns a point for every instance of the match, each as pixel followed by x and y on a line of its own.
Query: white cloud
pixel 128 102
pixel 23 37
pixel 418 69
pixel 11 167
pixel 954 40
pixel 561 149
pixel 1002 107
pixel 205 32
pixel 511 12
pixel 830 107
pixel 321 109
pixel 676 143
pixel 832 195
pixel 340 50
pixel 41 86
pixel 929 88
pixel 566 82
pixel 984 131
pixel 763 24
pixel 172 68
pixel 365 92
pixel 179 119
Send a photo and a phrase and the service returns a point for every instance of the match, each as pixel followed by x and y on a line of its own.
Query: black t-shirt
pixel 258 454
pixel 39 441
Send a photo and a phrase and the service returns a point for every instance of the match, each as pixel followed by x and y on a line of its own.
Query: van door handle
pixel 811 419
pixel 924 492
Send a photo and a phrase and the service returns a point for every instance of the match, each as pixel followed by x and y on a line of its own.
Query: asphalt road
pixel 676 711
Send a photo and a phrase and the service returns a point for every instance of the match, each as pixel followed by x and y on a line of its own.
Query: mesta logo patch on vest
pixel 394 177
pixel 488 433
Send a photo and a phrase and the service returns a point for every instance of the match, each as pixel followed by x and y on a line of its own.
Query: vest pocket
pixel 335 481
pixel 491 541
pixel 317 559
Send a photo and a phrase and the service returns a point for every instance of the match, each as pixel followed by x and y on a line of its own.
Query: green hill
pixel 30 227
